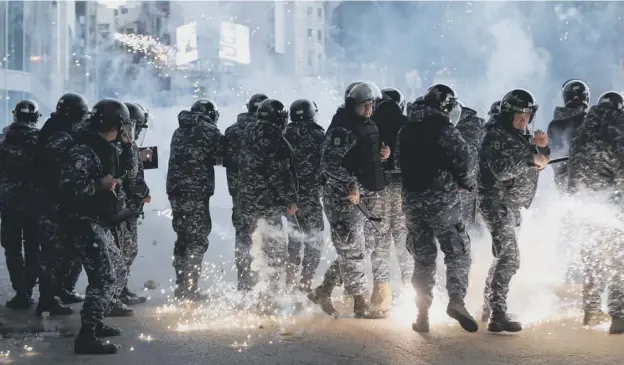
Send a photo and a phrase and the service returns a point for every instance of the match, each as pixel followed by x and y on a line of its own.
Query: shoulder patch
pixel 78 164
pixel 337 141
pixel 496 145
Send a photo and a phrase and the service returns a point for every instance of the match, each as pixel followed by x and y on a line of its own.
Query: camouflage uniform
pixel 233 139
pixel 306 138
pixel 472 129
pixel 431 200
pixel 560 133
pixel 60 258
pixel 346 219
pixel 196 147
pixel 91 211
pixel 596 174
pixel 507 182
pixel 19 216
pixel 268 185
pixel 136 190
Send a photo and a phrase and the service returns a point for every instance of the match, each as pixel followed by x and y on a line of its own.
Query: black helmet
pixel 362 92
pixel 109 114
pixel 26 111
pixel 495 108
pixel 138 115
pixel 206 108
pixel 273 111
pixel 441 97
pixel 575 92
pixel 73 106
pixel 348 89
pixel 302 110
pixel 518 101
pixel 254 102
pixel 615 100
pixel 420 99
pixel 392 94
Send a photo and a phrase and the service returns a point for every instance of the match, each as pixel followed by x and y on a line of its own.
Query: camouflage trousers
pixel 58 258
pixel 126 235
pixel 377 242
pixel 503 223
pixel 427 220
pixel 18 233
pixel 394 229
pixel 306 229
pixel 105 270
pixel 602 255
pixel 469 209
pixel 192 224
pixel 347 235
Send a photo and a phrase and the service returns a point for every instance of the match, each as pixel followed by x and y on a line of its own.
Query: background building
pixel 35 39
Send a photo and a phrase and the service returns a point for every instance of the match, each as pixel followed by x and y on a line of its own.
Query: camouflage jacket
pixel 306 139
pixel 232 140
pixel 560 133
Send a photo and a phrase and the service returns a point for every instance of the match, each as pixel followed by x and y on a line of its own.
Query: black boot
pixel 457 310
pixel 322 297
pixel 102 330
pixel 20 301
pixel 130 298
pixel 422 322
pixel 594 318
pixel 501 322
pixel 617 326
pixel 53 307
pixel 70 297
pixel 119 310
pixel 88 344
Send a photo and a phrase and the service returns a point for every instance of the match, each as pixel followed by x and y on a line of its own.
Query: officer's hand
pixel 108 182
pixel 354 197
pixel 146 155
pixel 147 199
pixel 540 139
pixel 540 161
pixel 292 209
pixel 385 152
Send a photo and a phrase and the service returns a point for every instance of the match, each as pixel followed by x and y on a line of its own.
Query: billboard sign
pixel 234 43
pixel 186 44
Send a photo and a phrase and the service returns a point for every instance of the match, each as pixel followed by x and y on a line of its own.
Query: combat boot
pixel 102 330
pixel 361 307
pixel 130 298
pixel 88 344
pixel 70 297
pixel 617 326
pixel 119 310
pixel 594 318
pixel 381 299
pixel 20 301
pixel 456 309
pixel 422 321
pixel 501 322
pixel 53 307
pixel 322 297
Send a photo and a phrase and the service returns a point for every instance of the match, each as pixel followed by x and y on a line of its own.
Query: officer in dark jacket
pixel 596 175
pixel 306 227
pixel 351 166
pixel 89 185
pixel 18 177
pixel 509 164
pixel 566 121
pixel 60 259
pixel 435 163
pixel 472 128
pixel 231 158
pixel 137 193
pixel 196 147
pixel 268 187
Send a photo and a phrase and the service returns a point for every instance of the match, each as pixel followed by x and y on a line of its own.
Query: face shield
pixel 455 113
pixel 127 131
pixel 140 130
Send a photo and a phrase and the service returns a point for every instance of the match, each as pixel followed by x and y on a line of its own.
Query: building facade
pixel 35 39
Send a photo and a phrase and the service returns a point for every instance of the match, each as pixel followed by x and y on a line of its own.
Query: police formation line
pixel 384 172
